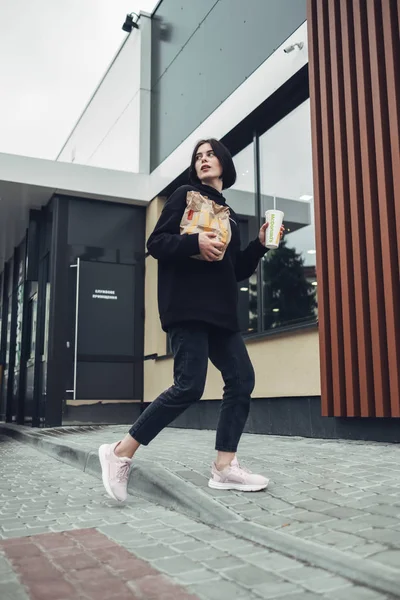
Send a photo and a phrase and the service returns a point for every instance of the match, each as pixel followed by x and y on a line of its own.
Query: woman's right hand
pixel 210 247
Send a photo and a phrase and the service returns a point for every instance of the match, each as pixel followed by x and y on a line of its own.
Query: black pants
pixel 192 344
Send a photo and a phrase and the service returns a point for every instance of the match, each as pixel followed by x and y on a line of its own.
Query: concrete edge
pixel 359 570
pixel 155 484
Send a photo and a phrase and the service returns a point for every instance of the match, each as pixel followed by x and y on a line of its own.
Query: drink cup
pixel 273 233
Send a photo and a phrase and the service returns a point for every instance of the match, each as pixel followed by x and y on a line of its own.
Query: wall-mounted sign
pixel 106 309
pixel 105 294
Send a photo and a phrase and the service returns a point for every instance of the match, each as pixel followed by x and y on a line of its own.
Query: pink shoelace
pixel 123 472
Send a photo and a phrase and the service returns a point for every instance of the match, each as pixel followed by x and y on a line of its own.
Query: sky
pixel 53 54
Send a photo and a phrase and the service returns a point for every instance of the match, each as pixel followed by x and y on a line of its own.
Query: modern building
pixel 306 95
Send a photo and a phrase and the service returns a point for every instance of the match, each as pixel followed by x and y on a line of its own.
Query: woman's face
pixel 208 167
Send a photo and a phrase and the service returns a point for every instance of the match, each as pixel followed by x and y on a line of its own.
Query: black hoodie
pixel 198 290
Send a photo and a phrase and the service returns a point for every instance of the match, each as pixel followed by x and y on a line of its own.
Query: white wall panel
pixel 107 107
pixel 119 150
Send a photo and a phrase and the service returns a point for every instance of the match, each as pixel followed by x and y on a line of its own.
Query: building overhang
pixel 29 183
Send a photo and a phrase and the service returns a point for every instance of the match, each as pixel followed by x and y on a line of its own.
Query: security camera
pixel 289 49
pixel 130 23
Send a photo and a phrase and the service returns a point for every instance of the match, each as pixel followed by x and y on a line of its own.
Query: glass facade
pixel 283 292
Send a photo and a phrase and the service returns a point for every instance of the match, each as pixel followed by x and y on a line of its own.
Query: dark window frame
pixel 293 93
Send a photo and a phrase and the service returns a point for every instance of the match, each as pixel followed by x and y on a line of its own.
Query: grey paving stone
pixel 389 510
pixel 327 584
pixel 316 505
pixel 273 562
pixel 224 562
pixel 5 567
pixel 339 539
pixel 313 517
pixel 272 520
pixel 350 526
pixel 189 545
pixel 356 593
pixel 205 554
pixel 12 590
pixel 311 530
pixel 175 565
pixel 211 535
pixel 165 534
pixel 388 557
pixel 304 573
pixel 12 525
pixel 273 504
pixel 220 590
pixel 250 575
pixel 368 549
pixel 385 536
pixel 67 527
pixel 197 576
pixel 237 546
pixel 155 551
pixel 277 590
pixel 303 595
pixel 344 512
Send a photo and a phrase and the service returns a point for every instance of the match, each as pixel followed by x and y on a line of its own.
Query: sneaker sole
pixel 241 487
pixel 103 463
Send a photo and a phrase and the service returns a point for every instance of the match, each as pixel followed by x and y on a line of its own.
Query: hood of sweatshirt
pixel 210 192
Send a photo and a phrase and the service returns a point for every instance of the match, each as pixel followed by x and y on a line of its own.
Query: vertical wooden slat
pixel 345 224
pixel 359 248
pixel 385 227
pixel 320 215
pixel 391 34
pixel 373 260
pixel 330 196
pixel 355 104
pixel 391 41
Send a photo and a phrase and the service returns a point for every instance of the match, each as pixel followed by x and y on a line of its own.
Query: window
pixel 242 198
pixel 288 274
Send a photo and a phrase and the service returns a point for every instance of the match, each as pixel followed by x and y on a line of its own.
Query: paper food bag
pixel 204 215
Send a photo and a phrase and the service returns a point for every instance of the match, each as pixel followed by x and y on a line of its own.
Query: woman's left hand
pixel 262 232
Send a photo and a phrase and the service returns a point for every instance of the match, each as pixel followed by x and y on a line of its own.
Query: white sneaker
pixel 235 477
pixel 115 472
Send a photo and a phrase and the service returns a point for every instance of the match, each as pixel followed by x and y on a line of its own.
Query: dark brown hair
pixel 224 157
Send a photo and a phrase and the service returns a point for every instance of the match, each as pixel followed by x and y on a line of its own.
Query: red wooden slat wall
pixel 354 54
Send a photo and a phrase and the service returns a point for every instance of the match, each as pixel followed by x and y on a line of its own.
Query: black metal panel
pixel 58 309
pixel 105 381
pixel 38 409
pixel 23 297
pixel 105 231
pixel 3 336
pixel 293 416
pixel 10 412
pixel 33 245
pixel 197 66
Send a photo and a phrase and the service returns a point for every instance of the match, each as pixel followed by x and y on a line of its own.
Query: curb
pixel 148 480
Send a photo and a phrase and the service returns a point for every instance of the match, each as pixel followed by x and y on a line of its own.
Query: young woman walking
pixel 198 308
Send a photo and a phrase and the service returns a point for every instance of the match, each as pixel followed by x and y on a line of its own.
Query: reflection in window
pixel 241 197
pixel 288 273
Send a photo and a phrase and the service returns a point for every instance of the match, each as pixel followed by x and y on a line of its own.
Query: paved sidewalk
pixel 135 551
pixel 339 494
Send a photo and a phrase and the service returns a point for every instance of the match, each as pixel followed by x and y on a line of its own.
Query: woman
pixel 198 308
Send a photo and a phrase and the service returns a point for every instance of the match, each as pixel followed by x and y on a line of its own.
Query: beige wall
pixel 155 341
pixel 286 364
